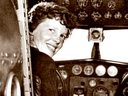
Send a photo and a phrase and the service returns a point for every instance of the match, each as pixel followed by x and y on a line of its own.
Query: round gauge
pixel 126 16
pixel 125 91
pixel 111 5
pixel 96 16
pixel 82 3
pixel 92 83
pixel 88 70
pixel 100 91
pixel 108 15
pixel 100 70
pixel 118 15
pixel 76 69
pixel 63 74
pixel 96 3
pixel 112 71
pixel 82 15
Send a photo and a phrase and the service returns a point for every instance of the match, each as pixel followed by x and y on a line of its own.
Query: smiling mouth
pixel 52 48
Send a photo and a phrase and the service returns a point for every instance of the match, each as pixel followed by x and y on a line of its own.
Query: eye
pixel 52 30
pixel 63 36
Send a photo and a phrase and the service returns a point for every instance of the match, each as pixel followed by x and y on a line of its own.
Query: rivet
pixel 21 61
pixel 18 61
pixel 6 54
pixel 2 54
pixel 0 84
pixel 14 55
pixel 3 62
pixel 12 62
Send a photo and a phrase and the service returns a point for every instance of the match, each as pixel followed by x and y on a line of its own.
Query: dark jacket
pixel 44 74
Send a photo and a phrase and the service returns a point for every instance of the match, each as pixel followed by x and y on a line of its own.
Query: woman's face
pixel 49 36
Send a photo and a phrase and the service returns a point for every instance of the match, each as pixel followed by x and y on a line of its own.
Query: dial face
pixel 76 69
pixel 112 71
pixel 118 15
pixel 82 15
pixel 100 91
pixel 88 70
pixel 108 15
pixel 96 16
pixel 126 16
pixel 125 91
pixel 82 3
pixel 100 70
pixel 96 3
pixel 63 74
pixel 111 5
pixel 92 83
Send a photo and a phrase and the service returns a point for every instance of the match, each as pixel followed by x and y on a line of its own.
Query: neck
pixel 33 44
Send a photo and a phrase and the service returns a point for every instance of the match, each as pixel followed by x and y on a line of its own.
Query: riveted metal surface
pixel 10 43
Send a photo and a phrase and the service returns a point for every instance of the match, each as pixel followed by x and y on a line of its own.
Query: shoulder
pixel 41 61
pixel 37 55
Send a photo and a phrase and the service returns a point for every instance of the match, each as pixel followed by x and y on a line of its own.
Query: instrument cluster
pixel 100 70
pixel 98 13
pixel 91 77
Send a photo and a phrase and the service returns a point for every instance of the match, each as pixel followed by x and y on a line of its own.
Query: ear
pixel 31 33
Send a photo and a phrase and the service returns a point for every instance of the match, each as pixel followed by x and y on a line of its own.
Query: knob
pixel 115 82
pixel 101 81
pixel 82 83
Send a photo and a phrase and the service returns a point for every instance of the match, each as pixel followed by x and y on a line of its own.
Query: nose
pixel 56 39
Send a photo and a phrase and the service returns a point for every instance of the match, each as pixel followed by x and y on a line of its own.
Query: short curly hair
pixel 43 10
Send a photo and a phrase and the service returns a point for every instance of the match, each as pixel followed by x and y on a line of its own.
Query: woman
pixel 49 25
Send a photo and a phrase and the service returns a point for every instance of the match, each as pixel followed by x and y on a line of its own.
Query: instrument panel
pixel 90 77
pixel 110 14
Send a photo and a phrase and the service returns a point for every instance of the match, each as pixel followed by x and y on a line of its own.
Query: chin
pixel 50 54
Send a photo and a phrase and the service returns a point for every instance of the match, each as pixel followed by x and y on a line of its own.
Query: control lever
pixel 96 51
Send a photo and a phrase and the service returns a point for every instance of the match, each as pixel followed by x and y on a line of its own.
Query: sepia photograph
pixel 63 48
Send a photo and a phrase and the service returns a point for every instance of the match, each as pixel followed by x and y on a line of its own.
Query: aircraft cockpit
pixel 95 74
pixel 93 60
